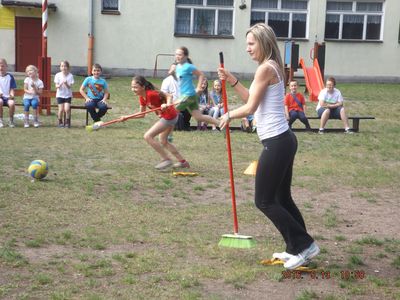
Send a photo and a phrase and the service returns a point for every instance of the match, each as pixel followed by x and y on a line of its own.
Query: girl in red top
pixel 150 98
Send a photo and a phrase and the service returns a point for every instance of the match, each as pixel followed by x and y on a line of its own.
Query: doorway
pixel 28 39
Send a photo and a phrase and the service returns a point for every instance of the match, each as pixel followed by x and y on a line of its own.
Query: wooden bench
pixel 355 124
pixel 52 94
pixel 355 121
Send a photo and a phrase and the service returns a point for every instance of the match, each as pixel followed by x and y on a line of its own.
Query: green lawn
pixel 104 224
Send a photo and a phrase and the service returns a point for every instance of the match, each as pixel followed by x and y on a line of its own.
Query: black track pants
pixel 273 194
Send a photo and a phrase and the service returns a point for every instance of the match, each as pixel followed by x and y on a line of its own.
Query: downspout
pixel 90 39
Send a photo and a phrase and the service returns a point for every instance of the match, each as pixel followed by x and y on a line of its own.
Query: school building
pixel 361 37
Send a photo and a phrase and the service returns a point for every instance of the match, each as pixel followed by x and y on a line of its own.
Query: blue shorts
pixel 334 112
pixel 5 101
pixel 34 102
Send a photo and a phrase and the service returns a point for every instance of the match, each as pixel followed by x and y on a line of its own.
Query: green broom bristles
pixel 237 241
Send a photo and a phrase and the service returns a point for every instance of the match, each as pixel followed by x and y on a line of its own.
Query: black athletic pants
pixel 273 194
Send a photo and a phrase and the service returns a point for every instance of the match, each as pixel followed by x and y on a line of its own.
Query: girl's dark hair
pixel 333 80
pixel 186 53
pixel 140 80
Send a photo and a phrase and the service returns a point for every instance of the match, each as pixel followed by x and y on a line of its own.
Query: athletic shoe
pixel 282 256
pixel 26 125
pixel 181 165
pixel 1 124
pixel 321 131
pixel 11 124
pixel 36 124
pixel 164 164
pixel 348 131
pixel 303 257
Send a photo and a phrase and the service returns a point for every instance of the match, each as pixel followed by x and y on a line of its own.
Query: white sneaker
pixel 348 131
pixel 181 165
pixel 11 124
pixel 26 125
pixel 36 124
pixel 164 164
pixel 282 256
pixel 300 259
pixel 1 124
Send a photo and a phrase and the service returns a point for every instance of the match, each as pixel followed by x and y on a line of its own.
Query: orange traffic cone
pixel 252 168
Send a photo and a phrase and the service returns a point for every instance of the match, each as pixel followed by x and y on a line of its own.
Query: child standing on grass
pixel 7 86
pixel 188 94
pixel 217 108
pixel 63 81
pixel 33 87
pixel 150 98
pixel 95 90
pixel 295 106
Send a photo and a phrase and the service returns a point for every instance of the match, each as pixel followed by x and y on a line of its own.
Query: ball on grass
pixel 38 169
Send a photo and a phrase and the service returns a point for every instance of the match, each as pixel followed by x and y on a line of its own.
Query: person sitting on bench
pixel 330 106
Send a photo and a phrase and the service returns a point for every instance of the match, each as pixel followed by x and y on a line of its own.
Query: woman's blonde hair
pixel 266 38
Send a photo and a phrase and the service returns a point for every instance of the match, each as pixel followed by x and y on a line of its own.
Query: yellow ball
pixel 38 169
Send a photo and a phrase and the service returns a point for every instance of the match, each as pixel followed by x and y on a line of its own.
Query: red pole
pixel 228 146
pixel 44 62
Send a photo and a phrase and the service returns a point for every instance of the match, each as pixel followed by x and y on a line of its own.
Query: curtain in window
pixel 279 23
pixel 110 4
pixel 332 26
pixel 225 22
pixel 373 27
pixel 257 17
pixel 369 6
pixel 341 6
pixel 352 27
pixel 264 4
pixel 293 4
pixel 220 2
pixel 204 21
pixel 299 24
pixel 190 2
pixel 182 24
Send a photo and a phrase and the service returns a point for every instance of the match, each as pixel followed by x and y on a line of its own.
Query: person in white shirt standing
pixel 275 165
pixel 330 106
pixel 63 81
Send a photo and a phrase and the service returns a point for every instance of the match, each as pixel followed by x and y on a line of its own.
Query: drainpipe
pixel 90 40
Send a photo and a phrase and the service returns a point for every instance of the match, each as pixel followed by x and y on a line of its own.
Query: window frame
pixel 108 11
pixel 354 12
pixel 291 12
pixel 204 6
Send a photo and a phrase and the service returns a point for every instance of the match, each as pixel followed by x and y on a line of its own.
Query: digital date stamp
pixel 324 275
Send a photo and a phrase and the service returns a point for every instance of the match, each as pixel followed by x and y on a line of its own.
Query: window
pixel 288 18
pixel 354 20
pixel 110 7
pixel 204 17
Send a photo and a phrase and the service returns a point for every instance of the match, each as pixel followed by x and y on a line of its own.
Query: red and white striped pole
pixel 44 28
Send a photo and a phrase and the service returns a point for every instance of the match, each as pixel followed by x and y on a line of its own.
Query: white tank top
pixel 270 114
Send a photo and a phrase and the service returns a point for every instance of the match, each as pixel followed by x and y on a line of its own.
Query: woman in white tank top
pixel 275 165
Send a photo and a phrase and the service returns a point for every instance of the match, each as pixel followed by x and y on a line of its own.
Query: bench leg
pixel 87 117
pixel 356 125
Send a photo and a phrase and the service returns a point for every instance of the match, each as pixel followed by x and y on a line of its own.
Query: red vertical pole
pixel 44 62
pixel 228 146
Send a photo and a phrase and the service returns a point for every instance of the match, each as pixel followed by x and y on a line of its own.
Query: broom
pixel 98 125
pixel 234 240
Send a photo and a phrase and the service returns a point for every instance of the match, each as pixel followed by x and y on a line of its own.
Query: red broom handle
pixel 228 146
pixel 132 116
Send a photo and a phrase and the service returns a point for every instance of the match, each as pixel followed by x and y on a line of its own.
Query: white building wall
pixel 128 43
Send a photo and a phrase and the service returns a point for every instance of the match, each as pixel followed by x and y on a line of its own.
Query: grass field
pixel 104 224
